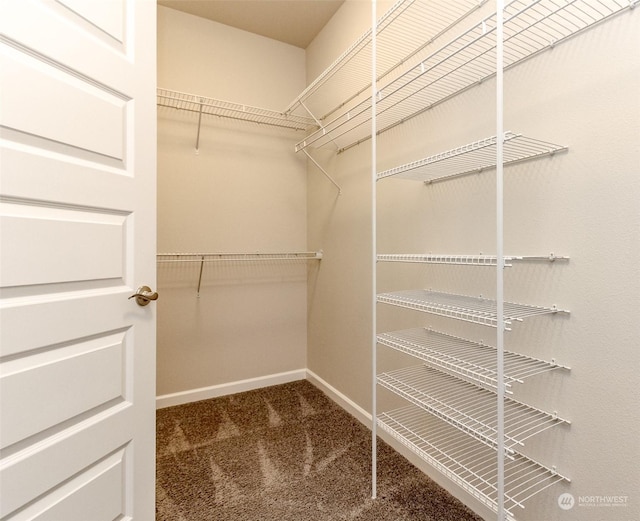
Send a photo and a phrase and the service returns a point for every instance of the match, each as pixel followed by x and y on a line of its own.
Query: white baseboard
pixel 214 391
pixel 342 400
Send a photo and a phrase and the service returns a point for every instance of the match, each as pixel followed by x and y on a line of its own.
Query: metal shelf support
pixel 326 174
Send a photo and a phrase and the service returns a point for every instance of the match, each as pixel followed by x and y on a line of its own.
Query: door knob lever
pixel 144 295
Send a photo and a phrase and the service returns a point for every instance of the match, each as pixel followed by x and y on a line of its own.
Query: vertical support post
pixel 500 253
pixel 374 251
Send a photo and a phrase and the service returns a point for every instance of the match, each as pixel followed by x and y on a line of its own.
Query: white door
pixel 77 237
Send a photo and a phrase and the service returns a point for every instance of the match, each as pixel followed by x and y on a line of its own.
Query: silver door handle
pixel 144 295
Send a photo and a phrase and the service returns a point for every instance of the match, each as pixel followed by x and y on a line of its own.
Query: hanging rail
pixel 202 258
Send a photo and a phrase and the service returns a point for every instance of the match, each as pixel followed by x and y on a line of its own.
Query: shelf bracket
pixel 199 125
pixel 200 275
pixel 318 122
pixel 323 171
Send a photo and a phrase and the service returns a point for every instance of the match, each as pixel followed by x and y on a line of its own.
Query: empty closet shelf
pixel 472 361
pixel 234 259
pixel 477 310
pixel 472 158
pixel 238 257
pixel 227 109
pixel 350 74
pixel 467 462
pixel 461 260
pixel 467 407
pixel 529 28
pixel 430 258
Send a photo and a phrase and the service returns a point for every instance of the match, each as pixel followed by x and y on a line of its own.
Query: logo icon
pixel 566 501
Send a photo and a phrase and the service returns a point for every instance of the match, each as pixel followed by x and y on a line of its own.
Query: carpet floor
pixel 284 453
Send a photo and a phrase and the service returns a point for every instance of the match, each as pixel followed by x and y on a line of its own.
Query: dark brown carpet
pixel 284 453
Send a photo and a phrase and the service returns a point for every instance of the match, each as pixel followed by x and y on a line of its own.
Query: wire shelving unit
pixel 466 407
pixel 529 28
pixel 477 310
pixel 468 360
pixel 473 158
pixel 462 418
pixel 466 461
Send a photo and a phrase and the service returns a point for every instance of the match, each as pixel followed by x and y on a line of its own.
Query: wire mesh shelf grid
pixel 472 361
pixel 226 109
pixel 467 462
pixel 529 28
pixel 466 407
pixel 473 158
pixel 478 310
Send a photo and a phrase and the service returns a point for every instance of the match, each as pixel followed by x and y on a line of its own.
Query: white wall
pixel 583 204
pixel 245 191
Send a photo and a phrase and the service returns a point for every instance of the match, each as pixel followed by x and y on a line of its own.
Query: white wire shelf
pixel 467 407
pixel 478 310
pixel 462 260
pixel 204 258
pixel 529 28
pixel 238 257
pixel 404 33
pixel 468 463
pixel 473 158
pixel 226 109
pixel 466 359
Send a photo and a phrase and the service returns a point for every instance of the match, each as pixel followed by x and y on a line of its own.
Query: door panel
pixel 49 464
pixel 51 103
pixel 58 245
pixel 77 228
pixel 90 312
pixel 92 374
pixel 96 494
pixel 49 26
pixel 28 174
pixel 109 19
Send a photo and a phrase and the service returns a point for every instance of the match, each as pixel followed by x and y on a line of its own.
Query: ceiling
pixel 295 22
